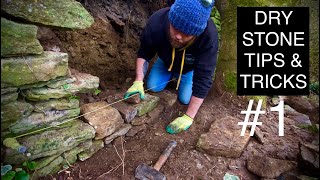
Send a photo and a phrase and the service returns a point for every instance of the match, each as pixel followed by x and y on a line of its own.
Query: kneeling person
pixel 186 41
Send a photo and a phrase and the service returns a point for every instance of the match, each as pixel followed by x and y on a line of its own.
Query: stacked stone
pixel 117 118
pixel 38 90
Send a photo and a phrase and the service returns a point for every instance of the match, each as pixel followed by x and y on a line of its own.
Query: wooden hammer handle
pixel 164 156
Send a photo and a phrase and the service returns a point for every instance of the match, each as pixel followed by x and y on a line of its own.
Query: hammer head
pixel 145 172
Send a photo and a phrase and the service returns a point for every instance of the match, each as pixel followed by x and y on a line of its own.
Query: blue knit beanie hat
pixel 190 16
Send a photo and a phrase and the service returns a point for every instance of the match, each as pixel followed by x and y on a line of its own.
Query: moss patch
pixel 230 81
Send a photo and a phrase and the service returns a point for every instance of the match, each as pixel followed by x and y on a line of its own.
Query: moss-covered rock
pixel 19 39
pixel 39 120
pixel 44 93
pixel 96 145
pixel 56 104
pixel 70 157
pixel 13 112
pixel 53 83
pixel 8 90
pixel 84 83
pixel 8 98
pixel 147 105
pixel 42 162
pixel 18 71
pixel 59 13
pixel 51 142
pixel 49 168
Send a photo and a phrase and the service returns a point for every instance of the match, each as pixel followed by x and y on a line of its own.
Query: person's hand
pixel 179 124
pixel 137 87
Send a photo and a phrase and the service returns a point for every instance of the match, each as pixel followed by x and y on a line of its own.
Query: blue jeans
pixel 159 77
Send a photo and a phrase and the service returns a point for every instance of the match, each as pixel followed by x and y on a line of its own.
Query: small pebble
pixel 157 134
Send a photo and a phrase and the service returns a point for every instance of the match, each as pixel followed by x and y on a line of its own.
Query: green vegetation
pixel 314 87
pixel 215 16
pixel 21 173
pixel 97 91
pixel 311 128
pixel 230 81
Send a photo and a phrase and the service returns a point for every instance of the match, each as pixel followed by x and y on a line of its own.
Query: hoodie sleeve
pixel 147 49
pixel 205 65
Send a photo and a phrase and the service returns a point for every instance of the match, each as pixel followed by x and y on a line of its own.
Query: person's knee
pixel 153 87
pixel 184 100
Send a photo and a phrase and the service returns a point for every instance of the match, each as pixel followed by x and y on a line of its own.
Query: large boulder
pixel 13 112
pixel 17 71
pixel 43 119
pixel 105 119
pixel 223 138
pixel 59 13
pixel 19 39
pixel 269 167
pixel 51 142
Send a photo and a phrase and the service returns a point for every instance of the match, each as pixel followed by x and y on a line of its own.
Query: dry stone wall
pixel 39 106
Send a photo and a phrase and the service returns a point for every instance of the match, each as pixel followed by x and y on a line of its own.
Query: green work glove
pixel 180 124
pixel 137 87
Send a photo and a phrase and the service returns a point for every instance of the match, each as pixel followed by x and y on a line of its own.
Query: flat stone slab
pixel 71 157
pixel 122 131
pixel 167 97
pixel 8 98
pixel 147 105
pixel 56 104
pixel 106 119
pixel 137 121
pixel 49 168
pixel 19 39
pixel 42 162
pixel 223 138
pixel 156 112
pixel 51 142
pixel 59 13
pixel 127 112
pixel 96 146
pixel 13 112
pixel 84 83
pixel 43 119
pixel 269 167
pixel 18 71
pixel 8 90
pixel 298 118
pixel 135 129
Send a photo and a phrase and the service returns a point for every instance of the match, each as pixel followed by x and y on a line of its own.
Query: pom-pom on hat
pixel 190 16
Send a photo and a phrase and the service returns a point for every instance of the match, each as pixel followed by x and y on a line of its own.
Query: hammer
pixel 145 172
